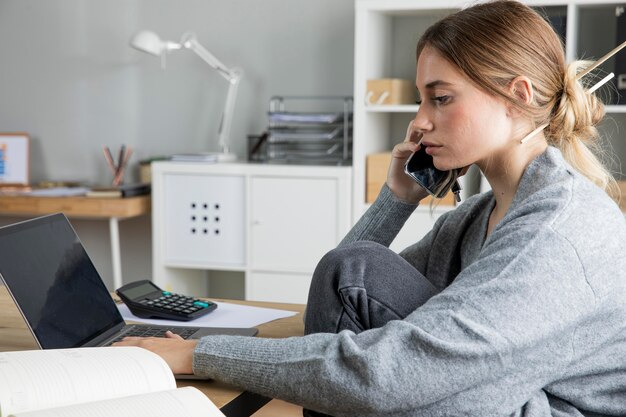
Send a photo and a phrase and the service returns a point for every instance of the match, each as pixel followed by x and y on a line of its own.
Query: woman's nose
pixel 421 122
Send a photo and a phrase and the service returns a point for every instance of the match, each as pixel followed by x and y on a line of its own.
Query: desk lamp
pixel 149 42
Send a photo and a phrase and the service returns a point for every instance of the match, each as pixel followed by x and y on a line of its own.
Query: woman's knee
pixel 339 268
pixel 339 264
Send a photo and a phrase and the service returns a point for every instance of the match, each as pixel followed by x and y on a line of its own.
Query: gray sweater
pixel 530 321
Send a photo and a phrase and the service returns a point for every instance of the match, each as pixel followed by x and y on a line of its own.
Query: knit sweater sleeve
pixel 382 221
pixel 498 334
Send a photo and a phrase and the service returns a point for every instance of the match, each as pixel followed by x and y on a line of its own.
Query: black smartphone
pixel 420 167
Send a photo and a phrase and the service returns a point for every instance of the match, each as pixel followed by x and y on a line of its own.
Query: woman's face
pixel 461 125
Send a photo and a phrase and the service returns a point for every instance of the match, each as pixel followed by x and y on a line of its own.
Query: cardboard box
pixel 390 91
pixel 377 165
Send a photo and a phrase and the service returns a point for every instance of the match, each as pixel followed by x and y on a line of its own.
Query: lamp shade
pixel 147 41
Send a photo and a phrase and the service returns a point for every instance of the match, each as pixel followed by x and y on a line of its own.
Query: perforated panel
pixel 204 219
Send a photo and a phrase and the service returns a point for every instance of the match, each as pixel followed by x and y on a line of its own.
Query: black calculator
pixel 146 300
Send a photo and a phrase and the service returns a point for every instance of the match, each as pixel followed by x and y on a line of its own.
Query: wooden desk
pixel 14 335
pixel 113 209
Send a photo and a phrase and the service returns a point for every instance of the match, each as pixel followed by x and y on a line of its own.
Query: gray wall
pixel 69 79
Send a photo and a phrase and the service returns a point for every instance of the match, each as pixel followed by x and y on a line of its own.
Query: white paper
pixel 225 315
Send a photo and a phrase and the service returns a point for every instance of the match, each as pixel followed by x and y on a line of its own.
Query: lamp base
pixel 226 157
pixel 205 157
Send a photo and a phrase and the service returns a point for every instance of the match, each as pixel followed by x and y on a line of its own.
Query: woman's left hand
pixel 398 182
pixel 176 351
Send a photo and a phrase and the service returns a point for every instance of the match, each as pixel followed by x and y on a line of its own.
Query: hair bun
pixel 577 112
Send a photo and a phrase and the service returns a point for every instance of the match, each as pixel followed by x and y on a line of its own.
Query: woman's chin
pixel 444 166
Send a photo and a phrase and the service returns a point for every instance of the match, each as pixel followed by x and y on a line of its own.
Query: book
pixel 195 157
pixel 95 381
pixel 124 190
pixel 59 192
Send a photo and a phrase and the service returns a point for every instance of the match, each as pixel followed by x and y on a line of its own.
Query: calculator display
pixel 141 291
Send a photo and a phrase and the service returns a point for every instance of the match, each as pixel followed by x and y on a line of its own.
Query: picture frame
pixel 14 159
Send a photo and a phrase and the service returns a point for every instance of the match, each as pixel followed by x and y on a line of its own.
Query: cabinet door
pixel 204 220
pixel 294 222
pixel 278 287
pixel 421 222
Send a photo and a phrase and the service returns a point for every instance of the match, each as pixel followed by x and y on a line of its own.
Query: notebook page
pixel 36 379
pixel 188 402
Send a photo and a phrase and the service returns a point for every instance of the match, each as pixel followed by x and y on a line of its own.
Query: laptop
pixel 61 295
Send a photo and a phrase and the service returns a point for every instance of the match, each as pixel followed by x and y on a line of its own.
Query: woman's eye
pixel 441 99
pixel 438 100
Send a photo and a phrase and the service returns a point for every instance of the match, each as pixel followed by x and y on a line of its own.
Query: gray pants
pixel 361 286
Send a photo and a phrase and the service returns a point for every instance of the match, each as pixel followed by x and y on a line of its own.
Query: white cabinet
pixel 386 33
pixel 272 223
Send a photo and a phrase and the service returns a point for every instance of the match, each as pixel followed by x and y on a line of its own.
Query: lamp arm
pixel 233 76
pixel 229 107
pixel 189 41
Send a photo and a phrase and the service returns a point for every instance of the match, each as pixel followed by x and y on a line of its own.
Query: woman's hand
pixel 403 186
pixel 177 352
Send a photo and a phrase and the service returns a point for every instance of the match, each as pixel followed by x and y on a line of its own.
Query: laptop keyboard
pixel 147 331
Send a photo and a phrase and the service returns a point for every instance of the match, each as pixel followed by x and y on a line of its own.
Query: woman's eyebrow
pixel 437 83
pixel 434 84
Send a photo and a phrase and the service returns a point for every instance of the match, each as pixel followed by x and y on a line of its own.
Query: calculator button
pixel 201 304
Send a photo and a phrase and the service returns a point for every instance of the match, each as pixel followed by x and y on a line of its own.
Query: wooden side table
pixel 112 209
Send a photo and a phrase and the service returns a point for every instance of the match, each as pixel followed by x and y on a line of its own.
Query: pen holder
pixel 257 147
pixel 117 167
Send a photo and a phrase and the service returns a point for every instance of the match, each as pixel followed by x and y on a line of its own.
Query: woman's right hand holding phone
pixel 403 186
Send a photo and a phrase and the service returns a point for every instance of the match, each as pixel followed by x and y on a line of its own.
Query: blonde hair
pixel 494 42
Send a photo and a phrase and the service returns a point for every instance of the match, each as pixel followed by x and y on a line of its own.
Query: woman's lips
pixel 431 149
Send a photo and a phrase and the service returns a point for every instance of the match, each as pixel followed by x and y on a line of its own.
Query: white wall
pixel 69 79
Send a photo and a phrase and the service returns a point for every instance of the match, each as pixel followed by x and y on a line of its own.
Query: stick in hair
pixel 600 83
pixel 590 90
pixel 601 60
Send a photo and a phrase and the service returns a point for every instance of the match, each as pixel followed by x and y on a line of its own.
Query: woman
pixel 515 302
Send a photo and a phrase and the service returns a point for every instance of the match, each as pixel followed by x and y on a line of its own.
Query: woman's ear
pixel 520 89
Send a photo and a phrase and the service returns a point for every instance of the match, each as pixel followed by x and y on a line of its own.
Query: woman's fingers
pixel 404 149
pixel 172 335
pixel 412 134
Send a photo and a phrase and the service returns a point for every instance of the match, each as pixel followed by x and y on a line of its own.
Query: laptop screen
pixel 54 283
